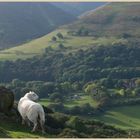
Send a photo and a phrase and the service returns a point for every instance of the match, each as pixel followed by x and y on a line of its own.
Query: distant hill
pixel 109 24
pixel 111 20
pixel 78 8
pixel 21 21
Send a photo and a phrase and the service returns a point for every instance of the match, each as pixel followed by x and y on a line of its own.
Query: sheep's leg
pixel 23 121
pixel 42 127
pixel 28 122
pixel 35 127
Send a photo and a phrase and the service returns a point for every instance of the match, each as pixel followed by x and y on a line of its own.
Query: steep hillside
pixel 112 23
pixel 77 8
pixel 22 22
pixel 111 20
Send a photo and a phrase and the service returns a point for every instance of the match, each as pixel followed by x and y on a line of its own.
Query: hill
pixel 21 22
pixel 126 117
pixel 113 23
pixel 80 72
pixel 78 8
pixel 114 19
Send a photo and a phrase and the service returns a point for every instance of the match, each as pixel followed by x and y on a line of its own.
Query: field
pixel 82 100
pixel 126 117
pixel 37 46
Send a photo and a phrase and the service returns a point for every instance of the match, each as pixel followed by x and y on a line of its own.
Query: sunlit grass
pixel 127 117
pixel 37 46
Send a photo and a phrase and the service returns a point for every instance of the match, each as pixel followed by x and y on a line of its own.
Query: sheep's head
pixel 32 96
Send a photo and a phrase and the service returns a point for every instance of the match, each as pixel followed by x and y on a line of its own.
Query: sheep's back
pixel 35 110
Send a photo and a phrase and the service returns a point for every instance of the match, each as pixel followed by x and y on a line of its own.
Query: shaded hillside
pixel 21 22
pixel 77 8
pixel 111 20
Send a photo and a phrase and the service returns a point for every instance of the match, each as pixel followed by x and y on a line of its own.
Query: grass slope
pixel 125 117
pixel 37 46
pixel 109 23
pixel 114 19
pixel 77 8
pixel 21 22
pixel 13 130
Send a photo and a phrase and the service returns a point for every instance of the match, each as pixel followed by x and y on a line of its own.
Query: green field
pixel 72 103
pixel 81 101
pixel 127 117
pixel 37 46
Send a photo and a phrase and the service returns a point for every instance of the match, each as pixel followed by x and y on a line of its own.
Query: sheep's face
pixel 32 96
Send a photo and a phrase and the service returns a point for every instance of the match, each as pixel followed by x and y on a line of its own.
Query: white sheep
pixel 31 111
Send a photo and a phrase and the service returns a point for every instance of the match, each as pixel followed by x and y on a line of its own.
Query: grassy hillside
pixel 113 19
pixel 37 46
pixel 13 130
pixel 98 56
pixel 77 8
pixel 113 23
pixel 126 117
pixel 22 22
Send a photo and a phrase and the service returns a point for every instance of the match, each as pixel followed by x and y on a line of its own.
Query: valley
pixel 85 70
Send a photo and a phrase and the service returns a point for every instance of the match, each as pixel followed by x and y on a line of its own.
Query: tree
pixel 137 91
pixel 137 82
pixel 91 88
pixel 61 46
pixel 66 87
pixel 96 91
pixel 17 83
pixel 60 36
pixel 56 97
pixel 54 38
pixel 49 48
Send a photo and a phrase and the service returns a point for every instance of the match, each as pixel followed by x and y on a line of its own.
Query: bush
pixel 57 107
pixel 69 133
pixel 77 124
pixel 54 38
pixel 59 35
pixel 56 97
pixel 61 46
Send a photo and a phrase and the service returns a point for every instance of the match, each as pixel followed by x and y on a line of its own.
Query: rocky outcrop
pixel 6 99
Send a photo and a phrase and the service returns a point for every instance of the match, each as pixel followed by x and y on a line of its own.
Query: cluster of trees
pixel 115 62
pixel 95 70
pixel 56 92
pixel 58 36
pixel 83 109
pixel 82 31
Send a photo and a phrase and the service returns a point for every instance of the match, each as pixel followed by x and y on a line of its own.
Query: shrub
pixel 76 123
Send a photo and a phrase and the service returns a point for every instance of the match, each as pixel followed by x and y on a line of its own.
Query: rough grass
pixel 127 117
pixel 15 130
